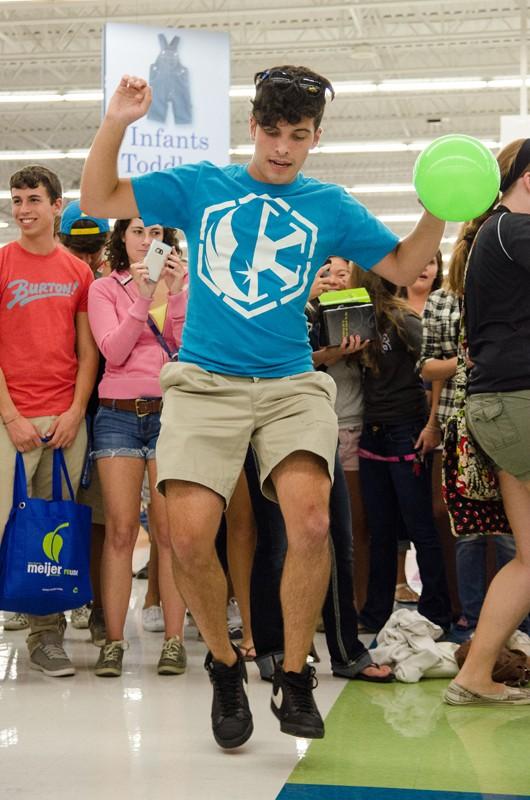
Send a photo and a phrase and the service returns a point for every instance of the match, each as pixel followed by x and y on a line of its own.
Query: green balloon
pixel 457 178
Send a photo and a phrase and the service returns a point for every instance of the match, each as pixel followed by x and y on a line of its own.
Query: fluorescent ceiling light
pixel 338 148
pixel 435 85
pixel 362 147
pixel 241 150
pixel 246 90
pixel 411 85
pixel 88 96
pixel 71 194
pixel 399 217
pixel 41 155
pixel 381 188
pixel 341 87
pixel 344 148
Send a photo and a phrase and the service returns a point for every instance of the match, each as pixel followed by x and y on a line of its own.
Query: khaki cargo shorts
pixel 209 419
pixel 500 422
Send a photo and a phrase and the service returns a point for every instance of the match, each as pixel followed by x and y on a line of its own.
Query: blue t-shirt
pixel 253 251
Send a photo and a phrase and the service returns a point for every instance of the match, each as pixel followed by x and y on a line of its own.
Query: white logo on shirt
pixel 25 292
pixel 255 252
pixel 386 344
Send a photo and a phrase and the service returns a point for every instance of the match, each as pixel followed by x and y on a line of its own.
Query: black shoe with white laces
pixel 293 703
pixel 231 717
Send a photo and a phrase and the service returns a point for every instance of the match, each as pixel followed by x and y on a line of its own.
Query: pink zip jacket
pixel 118 319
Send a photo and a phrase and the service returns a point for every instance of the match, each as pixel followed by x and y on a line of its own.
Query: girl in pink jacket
pixel 127 425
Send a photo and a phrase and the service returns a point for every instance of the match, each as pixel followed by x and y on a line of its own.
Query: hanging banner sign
pixel 189 74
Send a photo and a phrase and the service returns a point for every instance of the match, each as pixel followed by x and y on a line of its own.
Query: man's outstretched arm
pixel 102 192
pixel 406 263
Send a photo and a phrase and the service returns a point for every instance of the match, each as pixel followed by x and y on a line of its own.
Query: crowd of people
pixel 281 471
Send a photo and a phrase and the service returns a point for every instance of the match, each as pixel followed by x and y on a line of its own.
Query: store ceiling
pixel 56 46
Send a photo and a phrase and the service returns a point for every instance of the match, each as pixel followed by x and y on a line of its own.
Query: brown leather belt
pixel 141 406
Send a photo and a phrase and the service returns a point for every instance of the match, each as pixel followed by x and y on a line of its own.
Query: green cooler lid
pixel 344 296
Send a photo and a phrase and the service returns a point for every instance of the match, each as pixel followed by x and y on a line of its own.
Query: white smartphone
pixel 156 258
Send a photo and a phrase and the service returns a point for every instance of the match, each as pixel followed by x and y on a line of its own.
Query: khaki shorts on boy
pixel 209 419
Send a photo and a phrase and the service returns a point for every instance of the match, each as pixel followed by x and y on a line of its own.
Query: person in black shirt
pixel 497 309
pixel 395 461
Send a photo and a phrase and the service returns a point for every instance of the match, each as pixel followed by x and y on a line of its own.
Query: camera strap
pixel 171 354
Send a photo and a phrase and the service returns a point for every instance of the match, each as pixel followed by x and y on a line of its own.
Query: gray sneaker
pixel 108 664
pixel 80 617
pixel 173 657
pixel 96 626
pixel 16 622
pixel 48 656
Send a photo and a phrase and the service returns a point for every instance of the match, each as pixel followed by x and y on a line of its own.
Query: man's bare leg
pixel 240 545
pixel 194 514
pixel 507 601
pixel 303 487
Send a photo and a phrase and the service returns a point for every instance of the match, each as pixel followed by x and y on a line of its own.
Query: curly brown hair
pixel 115 252
pixel 275 102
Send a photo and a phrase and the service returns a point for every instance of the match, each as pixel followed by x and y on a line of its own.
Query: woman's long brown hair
pixel 466 236
pixel 390 312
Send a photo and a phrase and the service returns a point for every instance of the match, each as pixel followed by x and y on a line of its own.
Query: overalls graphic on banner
pixel 170 82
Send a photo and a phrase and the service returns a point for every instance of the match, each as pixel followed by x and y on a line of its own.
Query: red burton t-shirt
pixel 39 299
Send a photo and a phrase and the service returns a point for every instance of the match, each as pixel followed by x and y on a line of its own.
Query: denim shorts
pixel 124 434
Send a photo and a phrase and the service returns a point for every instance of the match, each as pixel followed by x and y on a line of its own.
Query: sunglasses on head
pixel 313 86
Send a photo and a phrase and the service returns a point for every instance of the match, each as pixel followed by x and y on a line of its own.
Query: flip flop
pixel 405 594
pixel 354 670
pixel 248 653
pixel 374 678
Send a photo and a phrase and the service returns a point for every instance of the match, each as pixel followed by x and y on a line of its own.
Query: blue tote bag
pixel 45 552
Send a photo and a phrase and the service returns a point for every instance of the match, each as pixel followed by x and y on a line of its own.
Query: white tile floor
pixel 139 737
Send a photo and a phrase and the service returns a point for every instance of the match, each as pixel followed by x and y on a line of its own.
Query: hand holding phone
pixel 156 258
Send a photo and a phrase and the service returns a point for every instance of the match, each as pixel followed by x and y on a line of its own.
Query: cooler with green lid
pixel 348 312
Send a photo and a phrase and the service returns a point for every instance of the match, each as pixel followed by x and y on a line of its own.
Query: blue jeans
pixel 124 434
pixel 339 615
pixel 391 490
pixel 471 572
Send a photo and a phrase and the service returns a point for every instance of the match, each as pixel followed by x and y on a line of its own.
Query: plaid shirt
pixel 441 318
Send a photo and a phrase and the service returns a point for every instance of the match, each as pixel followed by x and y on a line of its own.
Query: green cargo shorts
pixel 500 422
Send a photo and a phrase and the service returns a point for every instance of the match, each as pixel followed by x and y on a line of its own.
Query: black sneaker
pixel 293 703
pixel 231 717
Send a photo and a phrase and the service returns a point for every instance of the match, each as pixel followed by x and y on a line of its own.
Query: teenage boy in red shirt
pixel 48 364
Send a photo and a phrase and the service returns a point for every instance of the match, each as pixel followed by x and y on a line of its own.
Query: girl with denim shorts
pixel 127 425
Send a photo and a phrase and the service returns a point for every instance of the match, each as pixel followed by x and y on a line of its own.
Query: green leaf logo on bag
pixel 52 544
